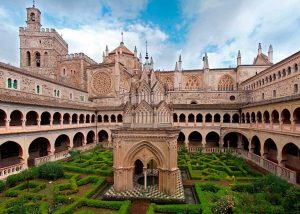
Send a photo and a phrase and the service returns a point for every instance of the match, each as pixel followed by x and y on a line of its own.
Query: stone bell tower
pixel 40 48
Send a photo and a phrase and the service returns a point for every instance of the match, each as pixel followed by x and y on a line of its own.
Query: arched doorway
pixel 66 118
pixel 62 143
pixel 231 140
pixel 78 140
pixel 39 147
pixel 2 118
pixel 90 138
pixel 138 167
pixel 195 139
pixel 74 118
pixel 45 118
pixel 270 150
pixel 212 139
pixel 291 157
pixel 181 139
pixel 102 136
pixel 255 145
pixel 151 174
pixel 16 118
pixel 10 154
pixel 217 118
pixel 31 118
pixel 56 118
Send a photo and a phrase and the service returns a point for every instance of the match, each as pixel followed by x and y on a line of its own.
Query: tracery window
pixel 225 83
pixel 192 83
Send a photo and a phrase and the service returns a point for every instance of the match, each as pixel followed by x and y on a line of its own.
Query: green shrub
pixel 273 198
pixel 2 186
pixel 13 180
pixel 291 200
pixel 243 188
pixel 275 210
pixel 179 208
pixel 50 171
pixel 271 183
pixel 224 205
pixel 209 187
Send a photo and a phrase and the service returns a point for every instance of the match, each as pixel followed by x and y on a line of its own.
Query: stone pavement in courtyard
pixel 152 191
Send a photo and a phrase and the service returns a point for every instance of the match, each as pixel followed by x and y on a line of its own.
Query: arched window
pixel 15 85
pixel 9 85
pixel 289 70
pixel 45 58
pixel 28 58
pixel 38 59
pixel 225 83
pixel 32 17
pixel 38 89
pixel 58 93
pixel 295 88
pixel 295 67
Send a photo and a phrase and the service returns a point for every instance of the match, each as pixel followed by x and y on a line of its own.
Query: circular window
pixel 232 98
pixel 101 82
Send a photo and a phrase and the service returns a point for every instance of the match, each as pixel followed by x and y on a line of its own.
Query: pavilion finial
pixel 146 57
pixel 33 3
pixel 122 42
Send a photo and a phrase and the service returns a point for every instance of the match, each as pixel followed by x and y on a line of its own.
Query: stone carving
pixel 102 83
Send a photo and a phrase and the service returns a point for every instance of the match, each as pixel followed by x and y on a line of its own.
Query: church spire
pixel 179 63
pixel 239 58
pixel 33 3
pixel 270 54
pixel 135 51
pixel 259 49
pixel 106 50
pixel 205 62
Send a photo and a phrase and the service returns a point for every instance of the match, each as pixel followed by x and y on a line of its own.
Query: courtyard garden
pixel 223 183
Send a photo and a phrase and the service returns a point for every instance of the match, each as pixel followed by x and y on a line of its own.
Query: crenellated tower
pixel 40 48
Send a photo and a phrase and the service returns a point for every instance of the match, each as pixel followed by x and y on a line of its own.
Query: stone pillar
pixel 23 124
pixel 61 122
pixel 7 121
pixel 239 143
pixel 39 123
pixel 51 122
pixel 293 127
pixel 145 178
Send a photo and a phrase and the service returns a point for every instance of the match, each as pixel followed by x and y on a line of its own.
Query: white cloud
pixel 89 25
pixel 248 22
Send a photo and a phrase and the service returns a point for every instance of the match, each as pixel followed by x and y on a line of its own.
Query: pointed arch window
pixel 9 83
pixel 38 59
pixel 15 85
pixel 28 58
pixel 32 17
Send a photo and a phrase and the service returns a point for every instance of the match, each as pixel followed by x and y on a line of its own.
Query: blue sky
pixel 172 27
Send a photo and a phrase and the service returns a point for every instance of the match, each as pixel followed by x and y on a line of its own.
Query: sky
pixel 171 27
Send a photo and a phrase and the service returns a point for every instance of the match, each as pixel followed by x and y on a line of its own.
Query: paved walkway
pixel 139 206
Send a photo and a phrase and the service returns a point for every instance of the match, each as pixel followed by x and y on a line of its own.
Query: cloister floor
pixel 220 181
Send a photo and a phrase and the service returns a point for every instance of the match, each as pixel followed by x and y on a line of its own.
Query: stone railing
pixel 41 160
pixel 61 155
pixel 274 168
pixel 10 170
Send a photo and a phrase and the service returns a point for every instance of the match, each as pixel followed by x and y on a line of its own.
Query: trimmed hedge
pixel 50 171
pixel 2 186
pixel 179 208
